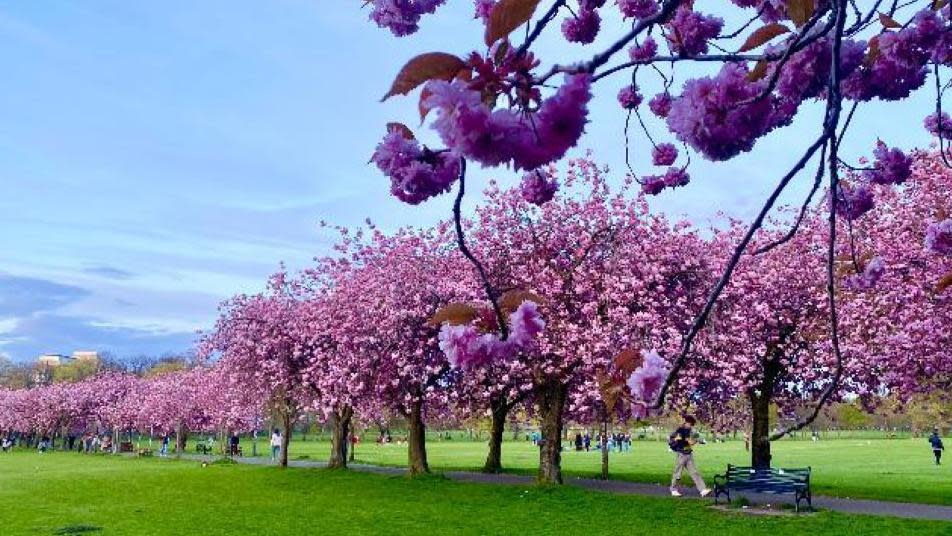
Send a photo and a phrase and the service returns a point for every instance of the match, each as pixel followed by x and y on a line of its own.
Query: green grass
pixel 68 493
pixel 886 469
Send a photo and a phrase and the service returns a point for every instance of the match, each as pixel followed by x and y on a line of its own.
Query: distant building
pixel 53 360
pixel 43 371
pixel 86 355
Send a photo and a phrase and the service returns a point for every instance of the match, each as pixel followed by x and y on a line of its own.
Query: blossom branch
pixel 461 242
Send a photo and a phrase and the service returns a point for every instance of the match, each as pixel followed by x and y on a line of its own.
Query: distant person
pixel 275 444
pixel 233 443
pixel 164 451
pixel 7 444
pixel 682 441
pixel 587 441
pixel 578 442
pixel 937 446
pixel 814 436
pixel 44 444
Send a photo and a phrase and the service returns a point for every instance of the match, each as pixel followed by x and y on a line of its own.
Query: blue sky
pixel 158 157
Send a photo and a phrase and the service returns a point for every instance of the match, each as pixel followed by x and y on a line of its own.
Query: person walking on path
pixel 937 446
pixel 682 442
pixel 275 444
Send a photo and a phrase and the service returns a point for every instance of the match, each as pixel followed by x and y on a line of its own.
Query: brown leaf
pixel 800 11
pixel 512 299
pixel 454 313
pixel 628 360
pixel 888 22
pixel 873 53
pixel 506 16
pixel 944 283
pixel 402 129
pixel 429 66
pixel 424 109
pixel 762 35
pixel 758 72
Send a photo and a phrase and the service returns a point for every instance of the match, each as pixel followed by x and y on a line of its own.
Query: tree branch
pixel 461 242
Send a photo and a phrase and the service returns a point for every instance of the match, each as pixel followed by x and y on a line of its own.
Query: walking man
pixel 682 442
pixel 937 446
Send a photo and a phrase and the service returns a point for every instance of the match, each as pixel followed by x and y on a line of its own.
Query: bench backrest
pixel 772 477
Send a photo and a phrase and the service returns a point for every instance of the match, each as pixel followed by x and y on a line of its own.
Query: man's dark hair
pixel 690 420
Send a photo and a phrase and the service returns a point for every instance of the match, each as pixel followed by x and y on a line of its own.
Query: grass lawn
pixel 68 493
pixel 887 469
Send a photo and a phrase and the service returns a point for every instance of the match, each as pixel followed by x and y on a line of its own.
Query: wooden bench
pixel 202 448
pixel 773 481
pixel 126 446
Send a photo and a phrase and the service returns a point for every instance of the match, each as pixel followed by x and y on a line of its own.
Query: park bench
pixel 144 452
pixel 125 446
pixel 202 448
pixel 773 481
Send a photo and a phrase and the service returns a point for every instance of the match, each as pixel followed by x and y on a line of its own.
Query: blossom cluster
pixel 646 381
pixel 468 126
pixel 402 17
pixel 467 347
pixel 416 174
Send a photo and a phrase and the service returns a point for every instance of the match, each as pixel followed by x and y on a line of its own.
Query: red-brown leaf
pixel 402 129
pixel 506 16
pixel 429 66
pixel 455 314
pixel 762 35
pixel 873 53
pixel 800 11
pixel 424 109
pixel 511 300
pixel 944 283
pixel 758 72
pixel 888 22
pixel 628 360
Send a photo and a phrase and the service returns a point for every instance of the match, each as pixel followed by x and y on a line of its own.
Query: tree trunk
pixel 760 412
pixel 340 425
pixel 416 442
pixel 759 437
pixel 604 432
pixel 285 437
pixel 181 435
pixel 500 412
pixel 551 394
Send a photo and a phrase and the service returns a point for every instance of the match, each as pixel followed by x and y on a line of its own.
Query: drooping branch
pixel 461 243
pixel 701 320
pixel 834 107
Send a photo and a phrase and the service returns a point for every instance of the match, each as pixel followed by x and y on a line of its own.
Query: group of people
pixel 620 442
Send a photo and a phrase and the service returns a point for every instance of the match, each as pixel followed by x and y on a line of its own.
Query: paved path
pixel 850 506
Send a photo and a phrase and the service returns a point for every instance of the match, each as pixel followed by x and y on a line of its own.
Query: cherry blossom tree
pixel 608 277
pixel 497 106
pixel 398 283
pixel 897 273
pixel 262 344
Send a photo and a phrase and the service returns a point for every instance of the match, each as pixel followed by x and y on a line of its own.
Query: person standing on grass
pixel 681 441
pixel 275 444
pixel 234 444
pixel 937 446
pixel 164 451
